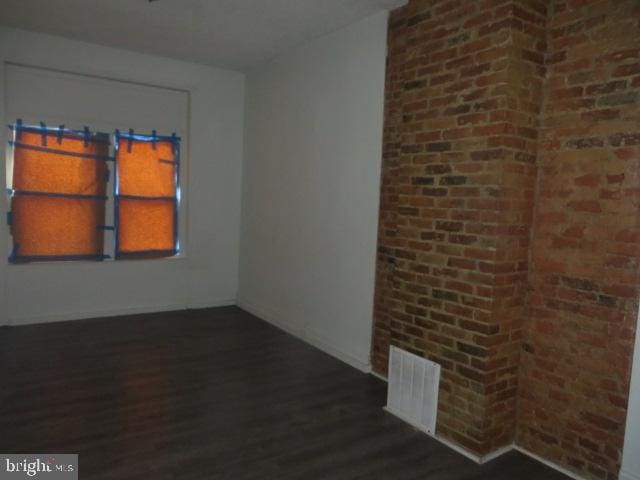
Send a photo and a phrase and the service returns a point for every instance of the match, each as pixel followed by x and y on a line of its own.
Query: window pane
pixel 46 226
pixel 146 226
pixel 68 166
pixel 58 194
pixel 145 171
pixel 147 200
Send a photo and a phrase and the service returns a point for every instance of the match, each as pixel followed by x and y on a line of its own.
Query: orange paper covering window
pixel 45 227
pixel 58 204
pixel 146 227
pixel 70 167
pixel 146 203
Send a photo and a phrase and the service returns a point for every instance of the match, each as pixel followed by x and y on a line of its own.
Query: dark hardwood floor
pixel 211 394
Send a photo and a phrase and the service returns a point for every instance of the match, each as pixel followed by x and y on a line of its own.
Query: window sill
pixel 108 261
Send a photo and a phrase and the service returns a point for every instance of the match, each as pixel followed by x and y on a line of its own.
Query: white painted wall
pixel 207 275
pixel 311 189
pixel 631 457
pixel 56 98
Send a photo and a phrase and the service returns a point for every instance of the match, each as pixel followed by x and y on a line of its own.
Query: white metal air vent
pixel 413 389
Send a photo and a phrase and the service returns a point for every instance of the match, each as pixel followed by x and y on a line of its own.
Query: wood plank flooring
pixel 211 394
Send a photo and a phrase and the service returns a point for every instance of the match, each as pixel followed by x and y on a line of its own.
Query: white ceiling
pixel 238 34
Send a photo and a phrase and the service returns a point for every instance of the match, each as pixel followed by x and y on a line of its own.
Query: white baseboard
pixel 497 453
pixel 501 451
pixel 550 464
pixel 624 475
pixel 471 456
pixel 381 377
pixel 114 312
pixel 461 450
pixel 491 456
pixel 278 319
pixel 194 305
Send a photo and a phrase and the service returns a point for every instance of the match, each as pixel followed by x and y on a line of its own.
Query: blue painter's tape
pixel 14 252
pixel 44 134
pixel 149 138
pixel 141 197
pixel 78 196
pixel 116 200
pixel 146 254
pixel 129 140
pixel 104 158
pixel 96 137
pixel 176 223
pixel 58 258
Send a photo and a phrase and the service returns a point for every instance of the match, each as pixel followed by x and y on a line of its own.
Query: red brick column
pixel 463 91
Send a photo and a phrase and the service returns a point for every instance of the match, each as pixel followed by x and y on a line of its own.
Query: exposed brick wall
pixel 464 88
pixel 496 109
pixel 586 240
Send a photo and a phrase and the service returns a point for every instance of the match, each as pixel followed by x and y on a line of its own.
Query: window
pixel 59 198
pixel 147 195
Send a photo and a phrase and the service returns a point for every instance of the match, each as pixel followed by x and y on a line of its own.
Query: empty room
pixel 320 239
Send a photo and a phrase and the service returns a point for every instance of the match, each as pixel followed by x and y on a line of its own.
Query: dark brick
pixel 438 147
pixel 463 37
pixel 437 169
pixel 592 142
pixel 416 19
pixel 601 422
pixel 460 109
pixel 470 373
pixel 485 155
pixel 624 139
pixel 580 283
pixel 626 70
pixel 449 226
pixel 525 157
pixel 437 236
pixel 444 295
pixel 472 350
pixel 408 211
pixel 422 180
pixel 411 148
pixel 463 239
pixel 415 84
pixel 453 180
pixel 435 192
pixel 618 99
pixel 606 87
pixel 607 301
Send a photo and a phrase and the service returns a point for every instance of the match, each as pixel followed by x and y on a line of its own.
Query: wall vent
pixel 413 389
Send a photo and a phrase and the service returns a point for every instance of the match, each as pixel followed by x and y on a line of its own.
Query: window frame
pixel 176 145
pixel 109 255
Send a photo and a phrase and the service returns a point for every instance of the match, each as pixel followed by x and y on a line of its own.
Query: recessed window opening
pixel 64 184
